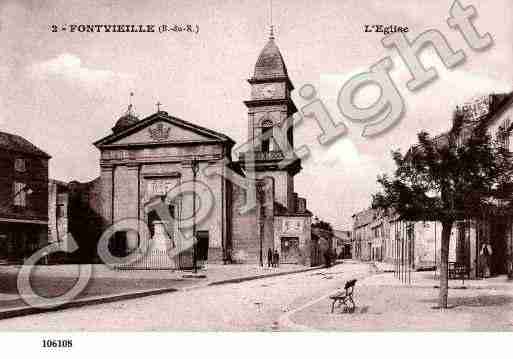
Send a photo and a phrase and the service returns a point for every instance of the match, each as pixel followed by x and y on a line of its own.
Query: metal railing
pixel 264 156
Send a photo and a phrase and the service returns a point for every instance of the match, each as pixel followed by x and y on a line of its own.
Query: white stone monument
pixel 159 253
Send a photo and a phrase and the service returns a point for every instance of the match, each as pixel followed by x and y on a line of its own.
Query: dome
pixel 270 62
pixel 125 122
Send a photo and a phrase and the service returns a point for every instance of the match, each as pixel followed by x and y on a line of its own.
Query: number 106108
pixel 57 343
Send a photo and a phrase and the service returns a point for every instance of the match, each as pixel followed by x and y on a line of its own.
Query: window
pixel 507 131
pixel 503 133
pixel 20 194
pixel 267 128
pixel 20 165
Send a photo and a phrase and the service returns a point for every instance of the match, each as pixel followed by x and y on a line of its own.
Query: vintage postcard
pixel 244 166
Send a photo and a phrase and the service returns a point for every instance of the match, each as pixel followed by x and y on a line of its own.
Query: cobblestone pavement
pixel 253 305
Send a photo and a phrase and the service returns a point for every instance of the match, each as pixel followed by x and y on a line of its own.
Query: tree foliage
pixel 459 175
pixel 322 225
pixel 455 176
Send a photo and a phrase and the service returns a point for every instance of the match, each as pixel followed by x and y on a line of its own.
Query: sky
pixel 63 90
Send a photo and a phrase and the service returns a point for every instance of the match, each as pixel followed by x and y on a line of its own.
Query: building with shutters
pixel 23 198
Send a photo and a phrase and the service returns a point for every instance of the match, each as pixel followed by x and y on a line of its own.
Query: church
pixel 143 160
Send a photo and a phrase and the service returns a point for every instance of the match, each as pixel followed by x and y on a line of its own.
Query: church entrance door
pixel 289 250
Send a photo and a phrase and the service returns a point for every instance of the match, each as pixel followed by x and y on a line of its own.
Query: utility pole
pixel 195 167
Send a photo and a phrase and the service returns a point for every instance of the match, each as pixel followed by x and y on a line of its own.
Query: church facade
pixel 144 161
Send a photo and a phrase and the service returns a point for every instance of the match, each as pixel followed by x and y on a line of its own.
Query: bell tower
pixel 271 106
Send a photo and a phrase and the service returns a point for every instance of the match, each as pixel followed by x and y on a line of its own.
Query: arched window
pixel 267 128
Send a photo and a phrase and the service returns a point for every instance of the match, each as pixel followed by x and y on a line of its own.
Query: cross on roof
pixel 158 106
pixel 271 34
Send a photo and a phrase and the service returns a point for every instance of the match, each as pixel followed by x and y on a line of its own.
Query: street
pixel 256 305
pixel 295 302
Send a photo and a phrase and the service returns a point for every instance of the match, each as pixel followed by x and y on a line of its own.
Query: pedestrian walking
pixel 270 257
pixel 276 258
pixel 486 252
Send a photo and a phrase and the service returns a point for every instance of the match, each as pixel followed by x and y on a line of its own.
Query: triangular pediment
pixel 161 131
pixel 164 129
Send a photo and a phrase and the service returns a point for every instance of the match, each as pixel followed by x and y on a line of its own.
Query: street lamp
pixel 195 168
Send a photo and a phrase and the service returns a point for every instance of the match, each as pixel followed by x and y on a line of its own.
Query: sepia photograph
pixel 280 166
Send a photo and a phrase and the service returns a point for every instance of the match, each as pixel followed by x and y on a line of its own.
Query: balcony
pixel 264 156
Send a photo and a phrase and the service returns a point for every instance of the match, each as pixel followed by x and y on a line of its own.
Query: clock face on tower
pixel 268 91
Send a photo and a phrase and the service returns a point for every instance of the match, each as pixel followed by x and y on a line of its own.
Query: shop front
pixel 19 240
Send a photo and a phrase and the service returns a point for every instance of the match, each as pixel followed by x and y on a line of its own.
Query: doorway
pixel 153 216
pixel 289 250
pixel 202 246
pixel 118 244
pixel 498 232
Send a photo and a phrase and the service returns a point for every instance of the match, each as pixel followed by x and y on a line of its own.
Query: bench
pixel 344 297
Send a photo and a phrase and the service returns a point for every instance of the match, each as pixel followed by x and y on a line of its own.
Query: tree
pixel 323 225
pixel 458 175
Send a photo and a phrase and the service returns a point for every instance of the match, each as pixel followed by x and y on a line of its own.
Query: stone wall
pixel 57 211
pixel 426 243
pixel 246 227
pixel 283 186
